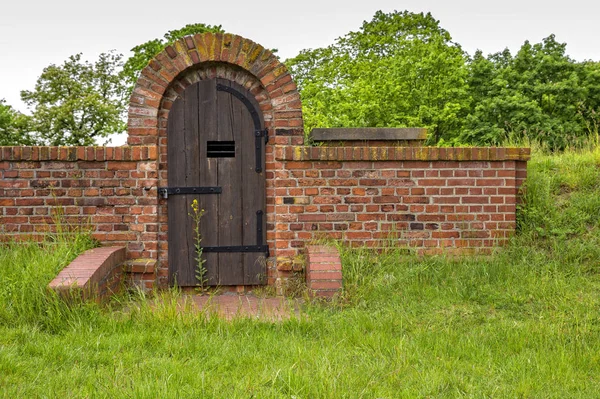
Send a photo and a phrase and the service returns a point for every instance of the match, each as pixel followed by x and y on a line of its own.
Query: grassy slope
pixel 523 323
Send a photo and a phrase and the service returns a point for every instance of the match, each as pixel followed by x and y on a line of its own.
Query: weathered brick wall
pixel 435 200
pixel 104 188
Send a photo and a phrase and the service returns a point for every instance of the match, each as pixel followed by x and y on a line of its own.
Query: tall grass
pixel 26 268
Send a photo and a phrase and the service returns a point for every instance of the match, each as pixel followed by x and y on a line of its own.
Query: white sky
pixel 36 33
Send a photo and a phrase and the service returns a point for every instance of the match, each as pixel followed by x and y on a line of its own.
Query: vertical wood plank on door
pixel 229 178
pixel 253 192
pixel 192 179
pixel 176 159
pixel 207 117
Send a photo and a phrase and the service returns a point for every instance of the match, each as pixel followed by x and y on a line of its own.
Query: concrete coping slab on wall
pixel 368 133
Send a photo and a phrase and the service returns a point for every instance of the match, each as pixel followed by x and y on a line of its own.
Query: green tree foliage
pixel 400 69
pixel 539 95
pixel 589 110
pixel 78 102
pixel 14 126
pixel 143 53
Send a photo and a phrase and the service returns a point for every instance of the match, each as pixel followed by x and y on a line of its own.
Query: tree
pixel 539 95
pixel 589 110
pixel 14 127
pixel 78 102
pixel 143 53
pixel 400 69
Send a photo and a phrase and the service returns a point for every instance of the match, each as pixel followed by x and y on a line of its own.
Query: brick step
pixel 94 275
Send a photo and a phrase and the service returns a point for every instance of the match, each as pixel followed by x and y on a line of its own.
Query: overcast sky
pixel 34 34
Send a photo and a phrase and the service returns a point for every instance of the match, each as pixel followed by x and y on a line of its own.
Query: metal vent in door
pixel 220 149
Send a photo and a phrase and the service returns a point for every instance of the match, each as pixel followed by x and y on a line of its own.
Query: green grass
pixel 26 268
pixel 523 323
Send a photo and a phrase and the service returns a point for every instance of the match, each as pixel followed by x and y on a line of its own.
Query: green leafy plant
pixel 78 102
pixel 14 126
pixel 537 95
pixel 196 216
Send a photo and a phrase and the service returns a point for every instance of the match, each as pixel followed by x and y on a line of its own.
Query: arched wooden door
pixel 216 142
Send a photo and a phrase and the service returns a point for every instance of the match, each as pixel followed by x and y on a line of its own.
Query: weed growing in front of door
pixel 196 216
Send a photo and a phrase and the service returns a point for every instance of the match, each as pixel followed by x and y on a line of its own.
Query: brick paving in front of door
pixel 232 305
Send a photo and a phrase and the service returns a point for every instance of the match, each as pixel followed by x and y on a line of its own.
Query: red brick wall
pixel 323 271
pixel 104 188
pixel 435 200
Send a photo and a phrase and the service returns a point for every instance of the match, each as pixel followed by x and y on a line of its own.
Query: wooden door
pixel 216 156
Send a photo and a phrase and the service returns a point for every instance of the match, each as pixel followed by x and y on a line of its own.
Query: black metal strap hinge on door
pixel 259 133
pixel 246 248
pixel 258 138
pixel 166 191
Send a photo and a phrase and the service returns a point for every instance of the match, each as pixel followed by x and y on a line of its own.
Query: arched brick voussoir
pixel 178 53
pixel 192 50
pixel 236 50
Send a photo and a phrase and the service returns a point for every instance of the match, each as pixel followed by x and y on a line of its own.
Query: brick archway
pixel 228 53
pixel 207 56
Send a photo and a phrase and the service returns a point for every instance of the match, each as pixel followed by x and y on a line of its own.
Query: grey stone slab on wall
pixel 368 133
